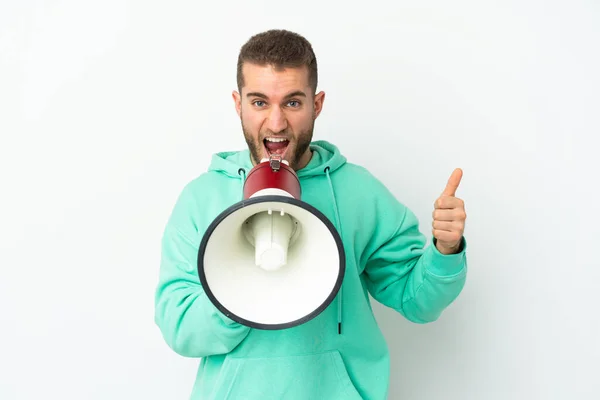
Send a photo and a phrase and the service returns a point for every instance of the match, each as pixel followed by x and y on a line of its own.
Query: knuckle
pixel 459 215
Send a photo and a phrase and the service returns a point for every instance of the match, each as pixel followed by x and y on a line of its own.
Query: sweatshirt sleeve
pixel 190 324
pixel 403 273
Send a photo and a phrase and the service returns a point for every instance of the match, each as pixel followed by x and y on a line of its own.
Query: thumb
pixel 453 183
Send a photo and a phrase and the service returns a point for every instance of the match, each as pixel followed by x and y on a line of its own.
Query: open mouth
pixel 276 145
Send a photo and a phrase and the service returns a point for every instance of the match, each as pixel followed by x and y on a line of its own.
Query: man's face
pixel 277 110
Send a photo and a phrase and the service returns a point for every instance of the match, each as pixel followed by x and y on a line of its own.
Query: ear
pixel 237 99
pixel 318 104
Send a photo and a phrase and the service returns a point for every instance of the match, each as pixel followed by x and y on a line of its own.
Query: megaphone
pixel 271 261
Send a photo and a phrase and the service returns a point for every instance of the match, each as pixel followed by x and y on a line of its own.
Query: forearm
pixel 191 325
pixel 435 282
pixel 422 287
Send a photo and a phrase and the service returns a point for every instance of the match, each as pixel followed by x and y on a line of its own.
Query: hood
pixel 325 154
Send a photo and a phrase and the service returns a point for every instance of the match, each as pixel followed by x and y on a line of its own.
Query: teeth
pixel 276 140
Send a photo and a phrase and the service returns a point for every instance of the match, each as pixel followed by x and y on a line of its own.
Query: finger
pixel 446 236
pixel 449 202
pixel 453 183
pixel 451 226
pixel 447 226
pixel 449 215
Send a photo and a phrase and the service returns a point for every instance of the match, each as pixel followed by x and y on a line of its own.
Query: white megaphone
pixel 271 261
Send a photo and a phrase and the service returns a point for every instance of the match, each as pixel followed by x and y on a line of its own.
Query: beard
pixel 297 146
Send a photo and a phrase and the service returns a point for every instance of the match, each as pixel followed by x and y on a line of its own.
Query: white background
pixel 108 108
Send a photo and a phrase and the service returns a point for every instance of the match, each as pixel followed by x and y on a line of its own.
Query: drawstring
pixel 242 173
pixel 339 228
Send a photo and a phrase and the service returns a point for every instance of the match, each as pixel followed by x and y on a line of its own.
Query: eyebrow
pixel 264 96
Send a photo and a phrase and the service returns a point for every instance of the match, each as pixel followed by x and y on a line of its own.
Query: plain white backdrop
pixel 108 108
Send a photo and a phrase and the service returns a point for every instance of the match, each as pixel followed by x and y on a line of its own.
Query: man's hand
pixel 449 217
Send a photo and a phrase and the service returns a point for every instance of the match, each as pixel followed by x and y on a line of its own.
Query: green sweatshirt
pixel 386 257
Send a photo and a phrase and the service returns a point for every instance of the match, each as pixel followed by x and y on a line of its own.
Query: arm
pixel 400 272
pixel 188 321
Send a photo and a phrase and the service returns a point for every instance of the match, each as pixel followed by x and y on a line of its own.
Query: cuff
pixel 446 265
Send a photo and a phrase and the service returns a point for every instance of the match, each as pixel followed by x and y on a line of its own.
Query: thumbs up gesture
pixel 449 217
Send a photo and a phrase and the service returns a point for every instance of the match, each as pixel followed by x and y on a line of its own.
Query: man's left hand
pixel 449 217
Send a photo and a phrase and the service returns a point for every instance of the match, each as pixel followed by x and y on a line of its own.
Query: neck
pixel 304 160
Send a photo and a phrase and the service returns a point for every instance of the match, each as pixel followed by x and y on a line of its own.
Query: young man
pixel 386 255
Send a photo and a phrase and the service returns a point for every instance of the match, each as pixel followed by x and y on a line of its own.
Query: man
pixel 386 255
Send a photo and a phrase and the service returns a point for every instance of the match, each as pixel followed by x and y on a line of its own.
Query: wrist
pixel 447 249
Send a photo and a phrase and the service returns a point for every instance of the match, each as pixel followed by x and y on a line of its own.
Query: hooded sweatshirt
pixel 341 354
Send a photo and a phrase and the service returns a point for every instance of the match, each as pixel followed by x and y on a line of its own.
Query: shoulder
pixel 362 180
pixel 205 196
pixel 204 180
pixel 208 185
pixel 361 188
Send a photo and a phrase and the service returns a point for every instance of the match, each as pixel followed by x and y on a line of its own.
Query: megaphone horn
pixel 271 261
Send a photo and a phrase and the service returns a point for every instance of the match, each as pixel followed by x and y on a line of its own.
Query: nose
pixel 276 121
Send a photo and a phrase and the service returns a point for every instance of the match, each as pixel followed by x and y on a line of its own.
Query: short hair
pixel 281 49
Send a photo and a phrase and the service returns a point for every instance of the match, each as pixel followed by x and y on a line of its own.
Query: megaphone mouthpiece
pixel 271 234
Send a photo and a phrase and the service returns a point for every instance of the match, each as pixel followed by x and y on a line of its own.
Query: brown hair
pixel 280 48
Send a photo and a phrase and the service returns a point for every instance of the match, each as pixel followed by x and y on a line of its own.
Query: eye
pixel 258 103
pixel 294 103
